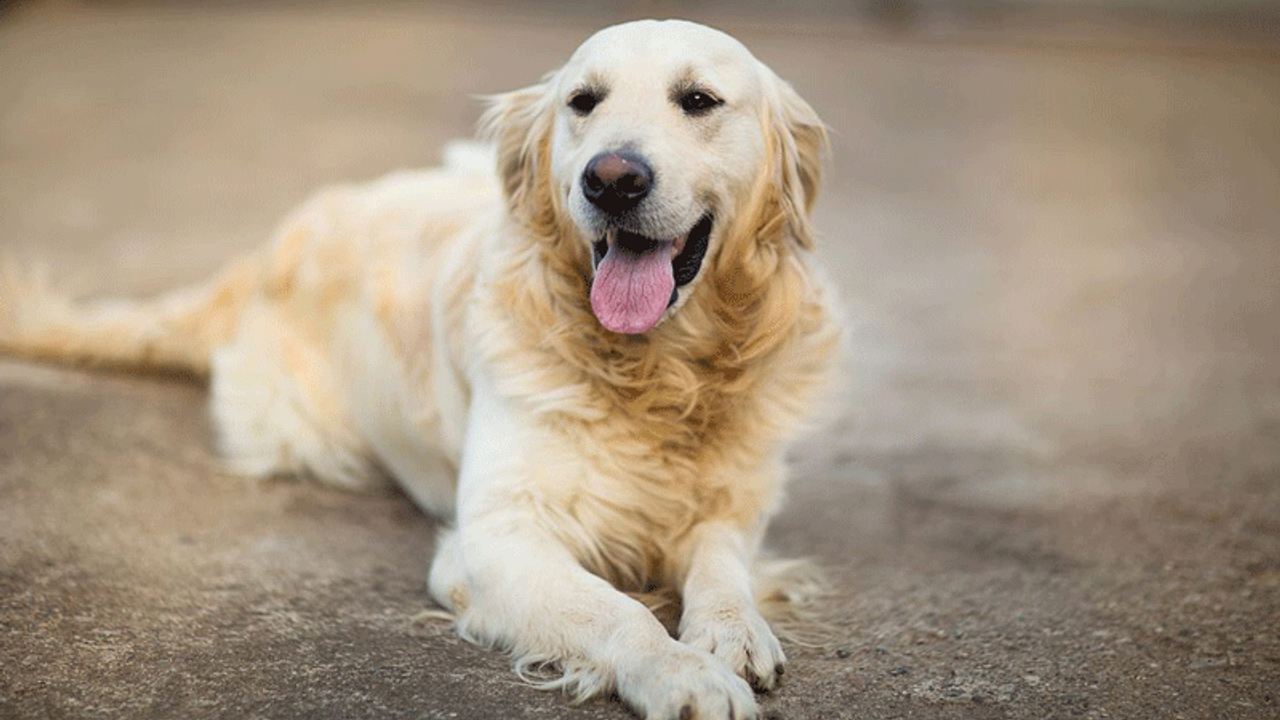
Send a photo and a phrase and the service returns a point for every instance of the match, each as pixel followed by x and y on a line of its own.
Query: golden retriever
pixel 590 364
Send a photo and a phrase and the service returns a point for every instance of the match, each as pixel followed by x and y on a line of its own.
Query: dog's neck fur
pixel 754 299
pixel 755 318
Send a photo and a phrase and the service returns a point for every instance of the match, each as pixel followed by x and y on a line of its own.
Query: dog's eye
pixel 697 102
pixel 584 102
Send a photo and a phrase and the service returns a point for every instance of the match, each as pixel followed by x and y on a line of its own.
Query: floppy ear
pixel 519 123
pixel 797 141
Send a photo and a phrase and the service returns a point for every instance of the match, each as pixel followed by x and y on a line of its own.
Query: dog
pixel 590 363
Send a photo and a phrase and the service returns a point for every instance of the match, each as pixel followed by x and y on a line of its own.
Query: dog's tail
pixel 173 334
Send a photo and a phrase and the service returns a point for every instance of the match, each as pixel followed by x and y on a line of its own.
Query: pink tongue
pixel 631 291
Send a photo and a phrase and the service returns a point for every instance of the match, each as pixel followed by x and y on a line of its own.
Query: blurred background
pixel 1053 489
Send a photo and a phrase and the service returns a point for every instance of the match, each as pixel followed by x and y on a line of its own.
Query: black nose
pixel 615 182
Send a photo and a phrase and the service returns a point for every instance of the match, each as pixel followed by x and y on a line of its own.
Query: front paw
pixel 681 683
pixel 740 638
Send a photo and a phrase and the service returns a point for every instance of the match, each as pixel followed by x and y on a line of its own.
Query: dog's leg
pixel 511 582
pixel 720 615
pixel 517 588
pixel 278 406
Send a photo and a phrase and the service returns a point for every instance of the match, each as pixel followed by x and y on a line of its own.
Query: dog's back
pixel 297 340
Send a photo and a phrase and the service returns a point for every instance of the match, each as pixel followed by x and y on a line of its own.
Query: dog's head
pixel 657 145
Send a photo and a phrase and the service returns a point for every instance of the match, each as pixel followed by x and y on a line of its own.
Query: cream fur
pixel 434 326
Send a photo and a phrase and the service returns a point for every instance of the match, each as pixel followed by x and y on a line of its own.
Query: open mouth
pixel 637 278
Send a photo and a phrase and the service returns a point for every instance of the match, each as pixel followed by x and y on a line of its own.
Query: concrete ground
pixel 1055 492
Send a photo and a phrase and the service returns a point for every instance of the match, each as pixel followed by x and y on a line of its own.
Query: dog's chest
pixel 623 496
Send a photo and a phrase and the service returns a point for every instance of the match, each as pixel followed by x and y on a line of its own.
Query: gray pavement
pixel 1054 491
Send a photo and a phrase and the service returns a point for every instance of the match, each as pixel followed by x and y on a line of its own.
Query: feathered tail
pixel 172 334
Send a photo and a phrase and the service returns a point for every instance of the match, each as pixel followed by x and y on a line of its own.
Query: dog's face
pixel 656 136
